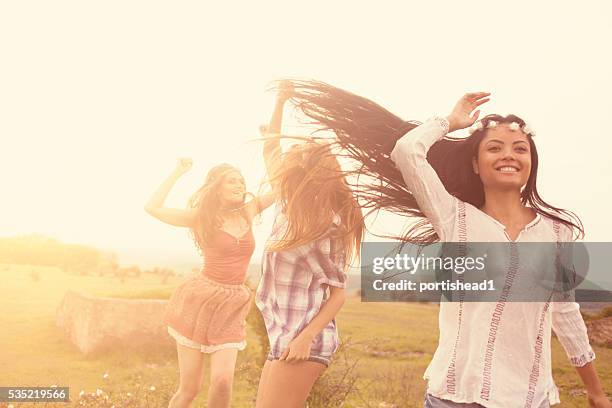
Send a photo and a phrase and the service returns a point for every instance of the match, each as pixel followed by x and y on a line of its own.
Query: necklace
pixel 232 210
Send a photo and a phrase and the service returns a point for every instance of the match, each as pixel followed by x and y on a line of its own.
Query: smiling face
pixel 233 188
pixel 504 158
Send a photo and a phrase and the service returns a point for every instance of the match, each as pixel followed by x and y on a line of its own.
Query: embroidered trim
pixel 557 230
pixel 496 317
pixel 451 376
pixel 443 122
pixel 184 341
pixel 535 368
pixel 461 224
pixel 583 359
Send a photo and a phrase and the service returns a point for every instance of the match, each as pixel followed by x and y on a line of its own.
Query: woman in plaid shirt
pixel 317 229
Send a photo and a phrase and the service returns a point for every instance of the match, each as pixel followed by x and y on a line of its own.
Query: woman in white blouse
pixel 490 354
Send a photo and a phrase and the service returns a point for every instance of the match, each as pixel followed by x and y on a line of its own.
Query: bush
pixel 394 388
pixel 339 380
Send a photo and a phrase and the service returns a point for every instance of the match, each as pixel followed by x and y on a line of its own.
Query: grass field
pixel 388 348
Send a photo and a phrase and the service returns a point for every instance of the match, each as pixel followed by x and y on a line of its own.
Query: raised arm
pixel 272 146
pixel 410 156
pixel 173 216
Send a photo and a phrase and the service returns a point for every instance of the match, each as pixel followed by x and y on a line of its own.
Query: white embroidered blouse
pixel 494 354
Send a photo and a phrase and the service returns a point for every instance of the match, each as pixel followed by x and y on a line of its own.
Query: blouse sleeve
pixel 568 324
pixel 410 156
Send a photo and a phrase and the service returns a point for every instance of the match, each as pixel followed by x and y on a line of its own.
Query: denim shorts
pixel 317 359
pixel 434 402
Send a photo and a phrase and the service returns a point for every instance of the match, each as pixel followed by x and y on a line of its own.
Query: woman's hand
pixel 463 114
pixel 183 166
pixel 285 91
pixel 173 216
pixel 298 349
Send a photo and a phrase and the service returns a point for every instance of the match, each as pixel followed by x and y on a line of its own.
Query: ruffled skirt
pixel 208 315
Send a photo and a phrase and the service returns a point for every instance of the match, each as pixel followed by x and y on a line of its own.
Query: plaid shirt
pixel 293 288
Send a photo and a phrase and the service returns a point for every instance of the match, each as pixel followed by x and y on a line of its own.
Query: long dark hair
pixel 367 133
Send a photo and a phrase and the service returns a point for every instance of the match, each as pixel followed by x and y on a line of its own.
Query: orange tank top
pixel 226 258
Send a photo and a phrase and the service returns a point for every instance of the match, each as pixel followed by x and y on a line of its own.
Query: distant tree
pixel 43 251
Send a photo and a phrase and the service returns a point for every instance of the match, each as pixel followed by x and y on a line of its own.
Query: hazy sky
pixel 98 99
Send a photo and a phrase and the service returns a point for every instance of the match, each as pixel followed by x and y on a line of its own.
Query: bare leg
pixel 191 363
pixel 222 366
pixel 287 385
pixel 263 380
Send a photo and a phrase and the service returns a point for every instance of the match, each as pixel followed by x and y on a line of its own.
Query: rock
pixel 600 331
pixel 93 323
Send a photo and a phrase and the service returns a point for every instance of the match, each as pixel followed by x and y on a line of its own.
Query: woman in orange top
pixel 206 314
